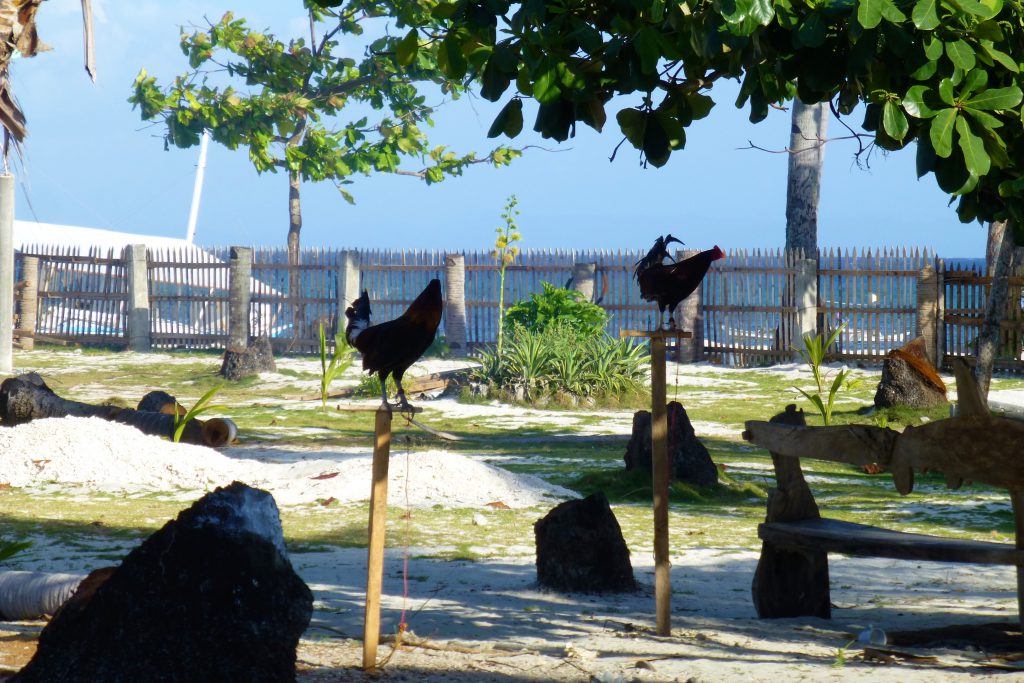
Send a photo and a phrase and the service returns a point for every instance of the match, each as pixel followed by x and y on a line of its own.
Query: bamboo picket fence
pixel 749 316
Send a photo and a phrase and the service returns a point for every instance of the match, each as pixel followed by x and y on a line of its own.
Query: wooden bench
pixel 792 575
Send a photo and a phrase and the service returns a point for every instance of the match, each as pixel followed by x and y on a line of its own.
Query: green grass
pixel 104 526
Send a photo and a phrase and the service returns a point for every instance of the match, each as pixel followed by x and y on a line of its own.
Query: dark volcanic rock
pixel 690 460
pixel 580 548
pixel 909 379
pixel 209 597
pixel 256 358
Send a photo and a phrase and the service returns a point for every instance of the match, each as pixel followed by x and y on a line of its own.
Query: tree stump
pixel 580 548
pixel 690 460
pixel 257 357
pixel 909 379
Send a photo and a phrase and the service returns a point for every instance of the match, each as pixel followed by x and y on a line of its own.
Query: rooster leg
pixel 403 403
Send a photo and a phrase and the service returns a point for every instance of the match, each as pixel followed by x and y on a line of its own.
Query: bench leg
pixel 791 583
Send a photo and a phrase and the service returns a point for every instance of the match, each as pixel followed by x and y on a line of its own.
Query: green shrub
pixel 369 386
pixel 563 363
pixel 556 305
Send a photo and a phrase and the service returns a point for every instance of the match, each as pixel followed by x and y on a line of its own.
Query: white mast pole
pixel 197 190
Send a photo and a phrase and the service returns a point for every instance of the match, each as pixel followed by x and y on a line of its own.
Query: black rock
pixel 257 357
pixel 209 597
pixel 580 548
pixel 690 460
pixel 909 379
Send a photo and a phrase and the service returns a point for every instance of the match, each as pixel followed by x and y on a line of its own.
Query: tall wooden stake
pixel 378 520
pixel 659 474
pixel 1017 498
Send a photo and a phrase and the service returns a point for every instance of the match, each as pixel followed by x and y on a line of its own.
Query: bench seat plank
pixel 849 538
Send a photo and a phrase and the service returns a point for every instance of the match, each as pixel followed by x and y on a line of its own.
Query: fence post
pixel 690 316
pixel 805 297
pixel 138 319
pixel 348 282
pixel 940 312
pixel 927 311
pixel 28 302
pixel 6 273
pixel 455 304
pixel 239 293
pixel 583 276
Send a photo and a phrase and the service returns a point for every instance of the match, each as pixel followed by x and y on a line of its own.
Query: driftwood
pixel 26 397
pixel 412 385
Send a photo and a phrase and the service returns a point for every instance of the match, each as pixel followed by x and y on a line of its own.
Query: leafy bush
pixel 556 305
pixel 369 386
pixel 563 363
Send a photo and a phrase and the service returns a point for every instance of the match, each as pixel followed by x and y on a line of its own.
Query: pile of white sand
pixel 75 453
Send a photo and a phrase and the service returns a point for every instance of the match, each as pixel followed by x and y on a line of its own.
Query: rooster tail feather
pixel 358 315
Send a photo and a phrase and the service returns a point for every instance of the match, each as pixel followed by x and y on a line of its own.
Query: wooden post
pixel 378 521
pixel 6 273
pixel 28 302
pixel 239 293
pixel 455 304
pixel 583 276
pixel 691 317
pixel 940 312
pixel 138 318
pixel 927 311
pixel 1017 498
pixel 348 282
pixel 805 297
pixel 659 474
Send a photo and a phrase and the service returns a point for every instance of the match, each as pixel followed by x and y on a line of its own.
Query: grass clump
pixel 634 486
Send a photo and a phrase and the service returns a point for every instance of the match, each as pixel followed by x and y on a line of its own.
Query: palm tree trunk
pixel 1000 265
pixel 807 154
pixel 294 276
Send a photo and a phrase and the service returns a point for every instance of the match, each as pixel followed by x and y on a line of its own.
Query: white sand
pixel 95 455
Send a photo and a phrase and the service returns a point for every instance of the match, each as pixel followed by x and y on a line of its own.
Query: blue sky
pixel 90 160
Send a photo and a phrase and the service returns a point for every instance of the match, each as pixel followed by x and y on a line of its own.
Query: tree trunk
pixel 294 277
pixel 999 266
pixel 807 154
pixel 803 182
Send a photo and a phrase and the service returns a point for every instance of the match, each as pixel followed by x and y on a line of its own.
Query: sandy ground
pixel 488 620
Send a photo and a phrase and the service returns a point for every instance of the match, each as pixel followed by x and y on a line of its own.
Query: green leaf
pixel 871 12
pixel 408 47
pixel 961 54
pixel 1004 59
pixel 933 48
pixel 996 98
pixel 894 121
pixel 975 156
pixel 509 120
pixel 941 132
pixel 975 80
pixel 924 15
pixel 946 91
pixel 915 102
pixel 547 87
pixel 657 146
pixel 632 122
pixel 811 32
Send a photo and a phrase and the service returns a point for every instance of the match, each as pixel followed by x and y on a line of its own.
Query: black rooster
pixel 668 285
pixel 389 348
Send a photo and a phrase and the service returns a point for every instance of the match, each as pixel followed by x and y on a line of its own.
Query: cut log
pixel 27 397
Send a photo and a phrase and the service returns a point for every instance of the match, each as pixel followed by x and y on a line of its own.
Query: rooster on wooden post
pixel 389 348
pixel 669 285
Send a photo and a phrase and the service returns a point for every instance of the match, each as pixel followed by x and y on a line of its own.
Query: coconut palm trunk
pixel 1001 246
